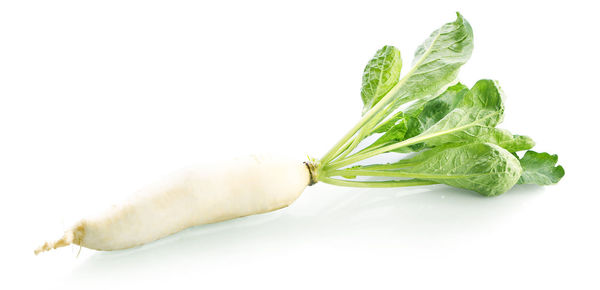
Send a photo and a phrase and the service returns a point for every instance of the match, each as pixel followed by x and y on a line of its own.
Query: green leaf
pixel 380 75
pixel 477 110
pixel 539 168
pixel 391 122
pixel 394 134
pixel 508 141
pixel 419 117
pixel 437 108
pixel 436 63
pixel 458 106
pixel 475 117
pixel 433 112
pixel 435 68
pixel 482 167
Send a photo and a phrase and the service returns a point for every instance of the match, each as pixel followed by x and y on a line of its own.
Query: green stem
pixel 361 156
pixel 379 184
pixel 383 102
pixel 342 149
pixel 389 166
pixel 357 139
pixel 369 149
pixel 361 134
pixel 389 173
pixel 363 172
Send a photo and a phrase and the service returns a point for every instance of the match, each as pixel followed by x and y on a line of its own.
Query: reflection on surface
pixel 413 219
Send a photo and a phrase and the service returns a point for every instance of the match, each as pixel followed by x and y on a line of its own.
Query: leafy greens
pixel 451 128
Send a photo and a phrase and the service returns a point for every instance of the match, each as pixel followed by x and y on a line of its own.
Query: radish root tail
pixel 72 236
pixel 66 240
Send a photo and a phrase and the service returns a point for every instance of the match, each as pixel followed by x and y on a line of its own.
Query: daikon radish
pixel 451 129
pixel 212 193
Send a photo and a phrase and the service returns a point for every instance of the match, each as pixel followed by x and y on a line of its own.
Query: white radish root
pixel 208 194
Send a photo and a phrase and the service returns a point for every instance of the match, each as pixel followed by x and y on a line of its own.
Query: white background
pixel 99 99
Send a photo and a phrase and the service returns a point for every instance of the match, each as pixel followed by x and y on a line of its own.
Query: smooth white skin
pixel 207 194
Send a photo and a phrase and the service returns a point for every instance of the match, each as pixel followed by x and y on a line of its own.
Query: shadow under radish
pixel 324 217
